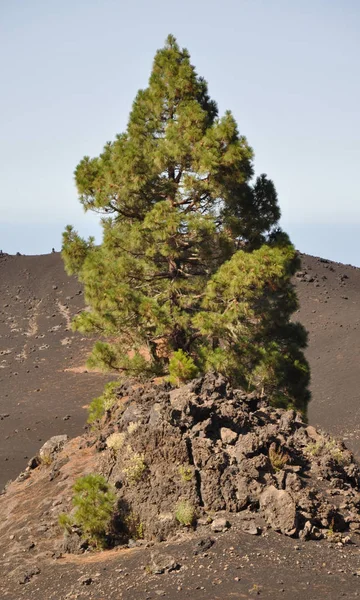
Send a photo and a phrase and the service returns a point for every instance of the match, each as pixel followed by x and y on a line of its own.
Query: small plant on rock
pixel 277 458
pixel 332 535
pixel 186 473
pixel 337 453
pixel 330 446
pixel 115 441
pixel 132 427
pixel 185 513
pixel 136 466
pixel 46 459
pixel 134 526
pixel 331 530
pixel 9 482
pixel 315 448
pixel 102 403
pixel 256 590
pixel 95 506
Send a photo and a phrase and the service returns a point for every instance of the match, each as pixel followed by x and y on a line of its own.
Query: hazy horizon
pixel 339 239
pixel 286 70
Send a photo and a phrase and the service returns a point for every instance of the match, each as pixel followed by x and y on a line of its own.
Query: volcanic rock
pixel 279 510
pixel 52 446
pixel 173 467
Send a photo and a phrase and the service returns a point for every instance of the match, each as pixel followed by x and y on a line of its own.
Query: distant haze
pixel 287 70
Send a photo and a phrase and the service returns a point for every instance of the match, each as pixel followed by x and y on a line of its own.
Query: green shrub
pixel 185 513
pixel 181 368
pixel 102 403
pixel 95 506
pixel 65 522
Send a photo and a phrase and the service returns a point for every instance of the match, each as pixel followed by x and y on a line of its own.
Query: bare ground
pixel 330 311
pixel 44 387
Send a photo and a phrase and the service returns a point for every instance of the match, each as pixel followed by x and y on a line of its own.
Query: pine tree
pixel 245 323
pixel 94 502
pixel 180 213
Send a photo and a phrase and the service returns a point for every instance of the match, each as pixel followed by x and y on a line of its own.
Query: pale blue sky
pixel 288 70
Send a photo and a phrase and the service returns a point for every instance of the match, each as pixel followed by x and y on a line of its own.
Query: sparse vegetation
pixel 339 457
pixel 337 453
pixel 255 590
pixel 331 534
pixel 277 458
pixel 132 427
pixel 148 569
pixel 186 473
pixel 46 459
pixel 134 526
pixel 95 505
pixel 102 403
pixel 136 466
pixel 315 448
pixel 140 531
pixel 328 445
pixel 9 482
pixel 185 513
pixel 66 522
pixel 115 441
pixel 331 529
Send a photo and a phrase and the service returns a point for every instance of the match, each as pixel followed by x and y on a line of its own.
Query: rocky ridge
pixel 224 453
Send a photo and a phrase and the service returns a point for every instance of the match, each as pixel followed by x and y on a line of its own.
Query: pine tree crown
pixel 193 272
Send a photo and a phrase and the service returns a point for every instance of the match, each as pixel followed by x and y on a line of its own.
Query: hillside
pixel 45 390
pixel 197 471
pixel 329 296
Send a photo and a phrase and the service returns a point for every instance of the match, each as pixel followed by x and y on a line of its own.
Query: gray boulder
pixel 51 447
pixel 279 510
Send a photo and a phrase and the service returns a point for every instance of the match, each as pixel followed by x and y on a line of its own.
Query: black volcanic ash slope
pixel 329 295
pixel 37 346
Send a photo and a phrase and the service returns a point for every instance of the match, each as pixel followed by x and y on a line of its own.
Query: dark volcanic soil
pixel 41 392
pixel 237 566
pixel 329 295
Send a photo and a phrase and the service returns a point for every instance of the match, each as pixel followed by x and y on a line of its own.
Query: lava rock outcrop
pixel 219 449
pixel 186 458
